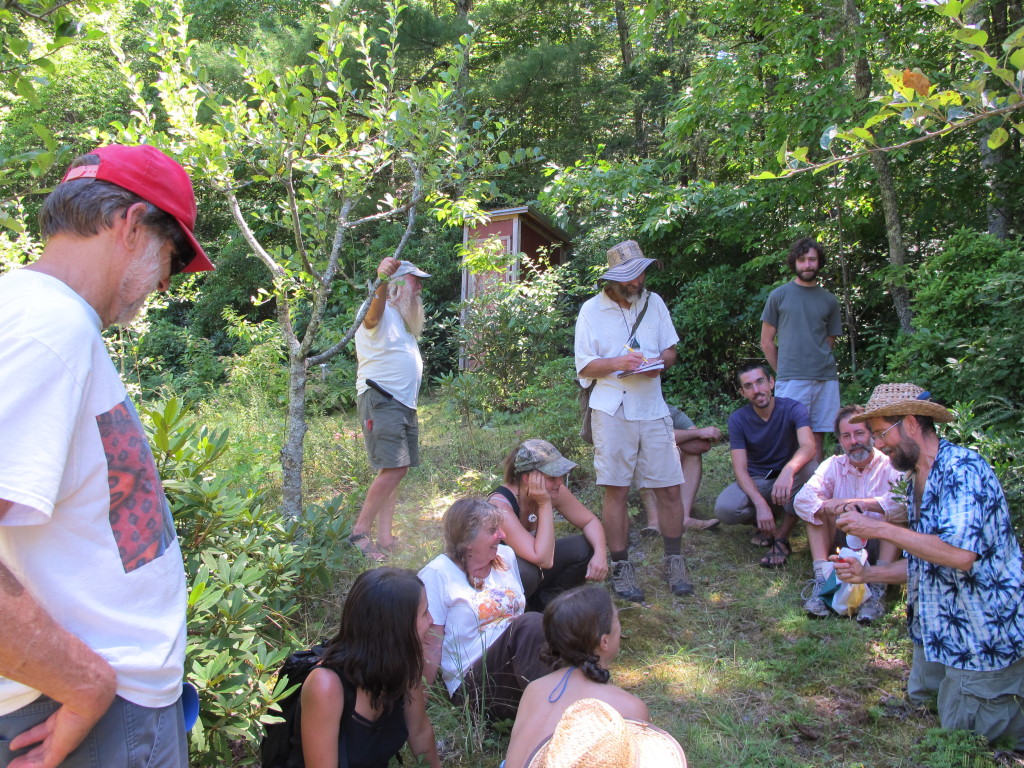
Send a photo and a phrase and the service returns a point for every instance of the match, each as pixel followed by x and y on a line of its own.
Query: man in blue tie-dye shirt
pixel 965 585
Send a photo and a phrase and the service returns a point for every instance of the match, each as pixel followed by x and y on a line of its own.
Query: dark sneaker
pixel 873 606
pixel 624 581
pixel 675 574
pixel 815 606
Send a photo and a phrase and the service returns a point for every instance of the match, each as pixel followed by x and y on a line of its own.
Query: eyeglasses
pixel 179 261
pixel 749 386
pixel 880 435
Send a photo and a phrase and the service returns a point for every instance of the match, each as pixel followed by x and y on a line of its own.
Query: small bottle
pixel 855 542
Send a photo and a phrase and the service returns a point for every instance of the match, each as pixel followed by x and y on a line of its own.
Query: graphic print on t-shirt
pixel 140 519
pixel 497 604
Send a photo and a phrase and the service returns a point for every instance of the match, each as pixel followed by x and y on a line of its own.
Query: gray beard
pixel 410 308
pixel 860 453
pixel 625 294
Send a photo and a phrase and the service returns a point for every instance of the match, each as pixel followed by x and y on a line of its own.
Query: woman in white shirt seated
pixel 484 644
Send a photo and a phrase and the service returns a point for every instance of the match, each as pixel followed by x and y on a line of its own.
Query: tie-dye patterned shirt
pixel 966 619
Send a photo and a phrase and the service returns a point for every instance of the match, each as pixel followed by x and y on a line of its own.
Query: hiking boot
pixel 624 581
pixel 815 605
pixel 675 574
pixel 873 606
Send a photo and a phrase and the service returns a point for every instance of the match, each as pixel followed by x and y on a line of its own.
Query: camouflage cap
pixel 542 456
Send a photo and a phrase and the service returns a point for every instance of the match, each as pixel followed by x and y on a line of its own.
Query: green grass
pixel 736 673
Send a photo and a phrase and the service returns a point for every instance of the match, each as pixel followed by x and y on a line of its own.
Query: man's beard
pixel 904 455
pixel 139 280
pixel 626 292
pixel 807 275
pixel 859 452
pixel 410 307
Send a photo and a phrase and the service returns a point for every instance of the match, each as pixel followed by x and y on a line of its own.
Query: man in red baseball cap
pixel 92 586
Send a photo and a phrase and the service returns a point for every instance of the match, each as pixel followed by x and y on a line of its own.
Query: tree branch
pixel 927 136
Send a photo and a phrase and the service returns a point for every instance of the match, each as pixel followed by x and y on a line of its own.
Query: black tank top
pixel 367 744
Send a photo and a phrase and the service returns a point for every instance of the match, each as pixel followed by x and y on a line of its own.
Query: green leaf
pixel 1017 58
pixel 952 8
pixel 971 36
pixel 764 175
pixel 997 138
pixel 781 156
pixel 984 58
pixel 863 134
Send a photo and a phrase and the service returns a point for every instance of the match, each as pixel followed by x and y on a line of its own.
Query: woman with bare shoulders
pixel 534 489
pixel 583 633
pixel 366 699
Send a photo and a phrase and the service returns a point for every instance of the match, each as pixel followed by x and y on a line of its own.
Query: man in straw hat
pixel 592 734
pixel 624 339
pixel 799 326
pixel 963 570
pixel 92 586
pixel 388 378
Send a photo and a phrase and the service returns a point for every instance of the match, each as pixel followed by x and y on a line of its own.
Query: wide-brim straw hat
pixel 592 734
pixel 626 262
pixel 902 400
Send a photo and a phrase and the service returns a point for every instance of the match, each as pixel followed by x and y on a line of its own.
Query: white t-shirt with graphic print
pixel 90 533
pixel 472 619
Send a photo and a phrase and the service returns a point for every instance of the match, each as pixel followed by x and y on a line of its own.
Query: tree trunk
pixel 880 162
pixel 626 50
pixel 295 435
pixel 997 205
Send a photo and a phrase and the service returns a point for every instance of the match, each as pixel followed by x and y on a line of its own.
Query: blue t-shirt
pixel 769 444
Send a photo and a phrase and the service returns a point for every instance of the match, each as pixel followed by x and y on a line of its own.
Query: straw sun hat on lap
pixel 591 734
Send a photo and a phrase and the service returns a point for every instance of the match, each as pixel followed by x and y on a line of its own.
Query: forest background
pixel 323 137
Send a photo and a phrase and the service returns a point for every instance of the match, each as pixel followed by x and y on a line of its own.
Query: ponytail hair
pixel 574 623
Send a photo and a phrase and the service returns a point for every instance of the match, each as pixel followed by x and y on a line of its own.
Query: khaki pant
pixel 990 704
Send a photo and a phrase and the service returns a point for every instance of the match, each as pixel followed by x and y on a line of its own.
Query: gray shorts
pixel 820 397
pixel 391 431
pixel 990 704
pixel 127 736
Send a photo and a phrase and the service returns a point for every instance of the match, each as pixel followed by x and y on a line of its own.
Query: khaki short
pixel 644 449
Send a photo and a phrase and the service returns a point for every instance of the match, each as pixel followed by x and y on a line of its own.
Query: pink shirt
pixel 838 478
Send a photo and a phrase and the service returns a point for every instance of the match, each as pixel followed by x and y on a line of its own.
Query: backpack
pixel 276 745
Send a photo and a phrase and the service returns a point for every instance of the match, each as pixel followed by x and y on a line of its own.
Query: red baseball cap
pixel 154 177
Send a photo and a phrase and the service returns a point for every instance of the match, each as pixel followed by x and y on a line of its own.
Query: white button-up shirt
pixel 602 331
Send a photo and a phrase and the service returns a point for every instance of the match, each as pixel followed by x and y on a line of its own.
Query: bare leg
pixel 887 552
pixel 820 537
pixel 693 466
pixel 670 510
pixel 650 504
pixel 819 446
pixel 614 517
pixel 788 524
pixel 380 505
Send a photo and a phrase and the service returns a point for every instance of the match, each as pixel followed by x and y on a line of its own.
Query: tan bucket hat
pixel 902 400
pixel 592 734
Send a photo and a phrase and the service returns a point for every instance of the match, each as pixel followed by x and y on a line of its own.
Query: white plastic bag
pixel 848 597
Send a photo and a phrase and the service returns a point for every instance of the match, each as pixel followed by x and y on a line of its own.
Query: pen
pixel 630 349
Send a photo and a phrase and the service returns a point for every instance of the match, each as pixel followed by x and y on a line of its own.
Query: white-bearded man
pixel 388 384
